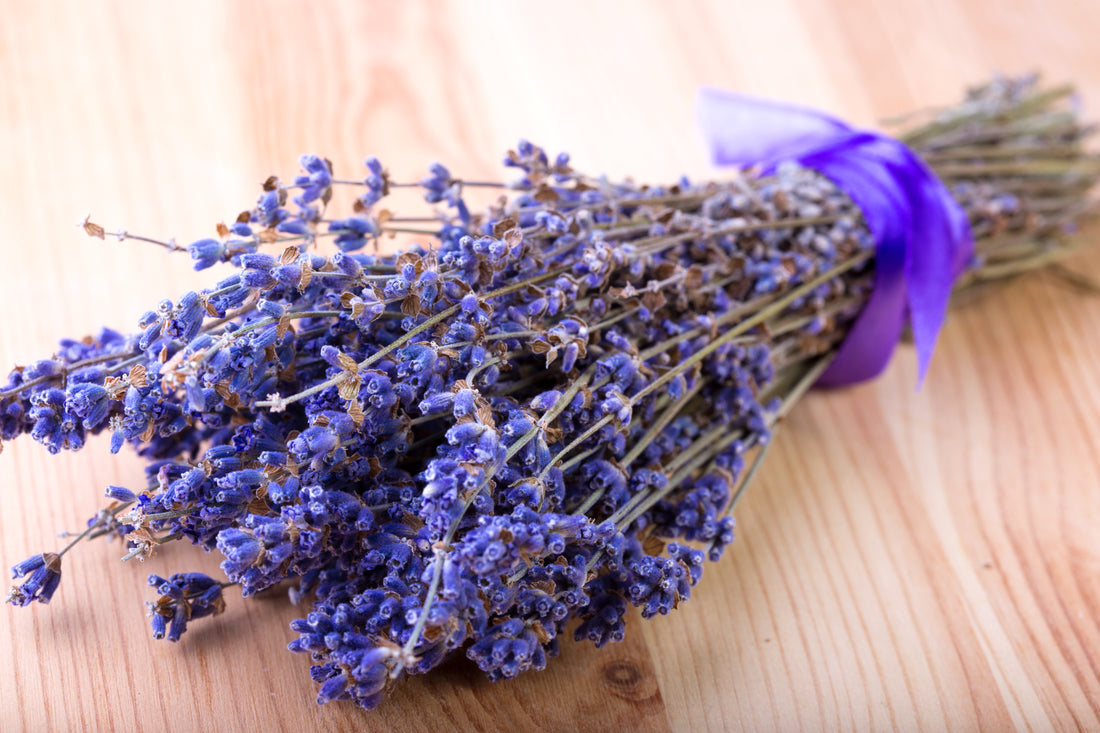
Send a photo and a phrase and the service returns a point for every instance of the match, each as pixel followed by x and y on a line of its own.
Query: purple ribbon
pixel 922 236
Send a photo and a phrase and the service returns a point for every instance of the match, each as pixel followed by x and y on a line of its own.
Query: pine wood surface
pixel 909 561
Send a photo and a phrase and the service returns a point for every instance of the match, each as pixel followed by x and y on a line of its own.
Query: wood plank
pixel 909 561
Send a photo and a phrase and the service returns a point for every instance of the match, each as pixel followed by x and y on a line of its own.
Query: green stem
pixel 99 522
pixel 408 336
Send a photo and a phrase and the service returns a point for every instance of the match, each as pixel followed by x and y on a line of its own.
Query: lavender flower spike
pixel 45 575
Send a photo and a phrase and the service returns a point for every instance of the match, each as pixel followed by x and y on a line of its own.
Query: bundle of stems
pixel 538 414
pixel 1013 155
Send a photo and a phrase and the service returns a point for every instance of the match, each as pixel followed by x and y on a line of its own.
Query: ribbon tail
pixel 940 246
pixel 866 351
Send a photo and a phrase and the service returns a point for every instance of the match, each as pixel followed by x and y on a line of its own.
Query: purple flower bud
pixel 270 308
pixel 240 548
pixel 293 226
pixel 289 275
pixel 347 264
pixel 206 253
pixel 257 279
pixel 88 402
pixel 120 494
pixel 258 261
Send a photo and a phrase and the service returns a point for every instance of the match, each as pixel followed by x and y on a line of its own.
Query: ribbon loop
pixel 922 235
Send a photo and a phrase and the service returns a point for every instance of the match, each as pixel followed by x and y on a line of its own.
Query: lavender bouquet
pixel 544 410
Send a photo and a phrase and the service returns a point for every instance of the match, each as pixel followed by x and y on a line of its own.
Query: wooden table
pixel 916 561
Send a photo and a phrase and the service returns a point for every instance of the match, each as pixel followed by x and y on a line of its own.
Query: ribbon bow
pixel 922 235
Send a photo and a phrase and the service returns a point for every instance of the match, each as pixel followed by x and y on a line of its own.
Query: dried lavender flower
pixel 545 413
pixel 44 570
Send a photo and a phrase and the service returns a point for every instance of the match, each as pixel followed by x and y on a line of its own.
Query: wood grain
pixel 908 561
